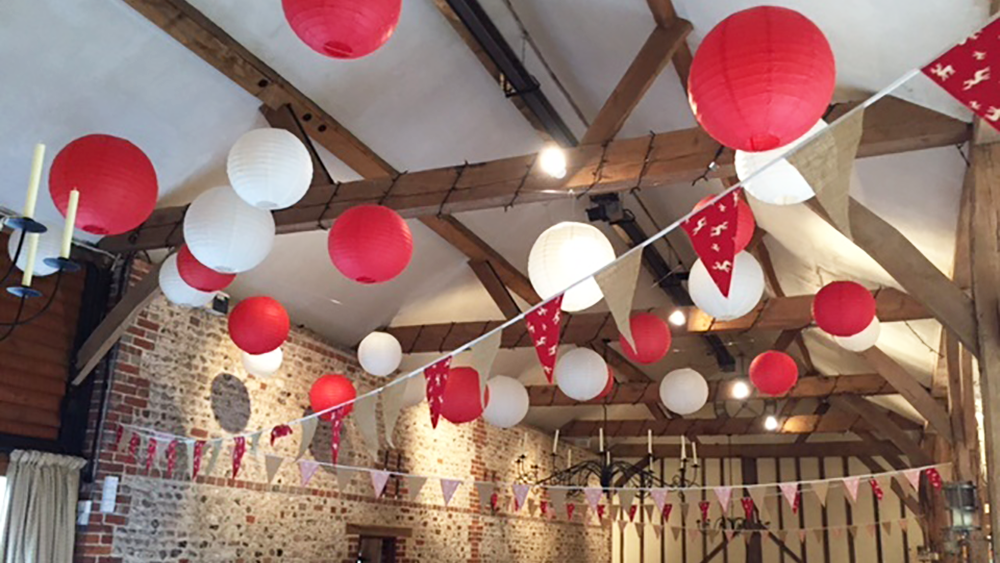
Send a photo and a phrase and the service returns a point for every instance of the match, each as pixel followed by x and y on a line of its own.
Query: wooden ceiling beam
pixel 812 449
pixel 495 287
pixel 665 16
pixel 891 126
pixel 885 423
pixel 915 394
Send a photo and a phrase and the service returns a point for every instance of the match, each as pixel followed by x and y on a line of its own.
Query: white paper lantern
pixel 780 184
pixel 270 168
pixel 176 290
pixel 49 246
pixel 684 391
pixel 564 254
pixel 263 365
pixel 508 402
pixel 581 374
pixel 226 233
pixel 863 340
pixel 745 290
pixel 380 353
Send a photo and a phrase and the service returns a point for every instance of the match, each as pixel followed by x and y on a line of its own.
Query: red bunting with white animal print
pixel 543 325
pixel 712 230
pixel 966 72
pixel 437 378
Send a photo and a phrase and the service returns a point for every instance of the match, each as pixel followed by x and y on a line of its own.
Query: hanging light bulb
pixel 740 390
pixel 552 159
pixel 771 423
pixel 677 318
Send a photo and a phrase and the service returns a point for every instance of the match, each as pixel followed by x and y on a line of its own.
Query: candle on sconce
pixel 569 458
pixel 555 443
pixel 694 448
pixel 29 267
pixel 71 208
pixel 684 451
pixel 607 458
pixel 31 198
pixel 601 437
pixel 649 441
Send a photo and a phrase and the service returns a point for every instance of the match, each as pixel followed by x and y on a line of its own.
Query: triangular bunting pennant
pixel 758 494
pixel 336 425
pixel 790 491
pixel 747 503
pixel 615 509
pixel 676 532
pixel 659 498
pixel 876 489
pixel 344 477
pixel 913 478
pixel 379 480
pixel 723 494
pixel 482 357
pixel 600 511
pixel 658 530
pixel 713 533
pixel 903 525
pixel 729 534
pixel 414 484
pixel 802 536
pixel 593 496
pixel 133 446
pixel 271 464
pixel 818 534
pixel 151 454
pixel 617 283
pixel 887 528
pixel 570 507
pixel 837 533
pixel 665 512
pixel 189 452
pixel 521 491
pixel 649 512
pixel 621 526
pixel 558 499
pixel 367 423
pixel 543 325
pixel 872 529
pixel 308 431
pixel 392 406
pixel 821 488
pixel 437 379
pixel 484 491
pixel 531 507
pixel 255 444
pixel 239 448
pixel 171 456
pixel 703 506
pixel 213 459
pixel 693 532
pixel 712 230
pixel 626 496
pixel 280 431
pixel 853 531
pixel 964 72
pixel 782 535
pixel 307 468
pixel 631 512
pixel 933 478
pixel 448 488
pixel 851 486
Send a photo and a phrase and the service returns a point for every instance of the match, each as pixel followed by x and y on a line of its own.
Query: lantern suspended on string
pixel 564 254
pixel 370 244
pixel 745 222
pixel 684 391
pixel 116 180
pixel 508 402
pixel 862 340
pixel 176 290
pixel 227 234
pixel 343 29
pixel 781 183
pixel 581 374
pixel 380 354
pixel 773 373
pixel 745 291
pixel 652 339
pixel 258 325
pixel 263 365
pixel 270 168
pixel 331 391
pixel 198 276
pixel 49 246
pixel 761 78
pixel 461 402
pixel 843 308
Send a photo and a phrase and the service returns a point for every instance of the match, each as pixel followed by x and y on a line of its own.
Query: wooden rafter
pixel 875 467
pixel 494 286
pixel 665 16
pixel 773 285
pixel 883 422
pixel 912 391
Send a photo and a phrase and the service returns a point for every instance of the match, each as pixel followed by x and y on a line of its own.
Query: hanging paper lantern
pixel 461 401
pixel 607 387
pixel 263 365
pixel 198 276
pixel 684 391
pixel 744 293
pixel 773 373
pixel 370 244
pixel 176 290
pixel 116 180
pixel 49 246
pixel 380 353
pixel 258 325
pixel 652 339
pixel 781 183
pixel 508 402
pixel 331 391
pixel 862 340
pixel 343 29
pixel 581 374
pixel 745 222
pixel 564 254
pixel 761 78
pixel 270 168
pixel 843 308
pixel 227 234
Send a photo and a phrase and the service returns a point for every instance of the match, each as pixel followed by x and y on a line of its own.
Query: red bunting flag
pixel 965 72
pixel 631 512
pixel 239 448
pixel 437 378
pixel 712 230
pixel 876 489
pixel 544 506
pixel 133 447
pixel 336 424
pixel 570 507
pixel 199 449
pixel 703 506
pixel 600 511
pixel 934 478
pixel 171 456
pixel 747 507
pixel 495 502
pixel 665 512
pixel 543 325
pixel 150 454
pixel 280 431
pixel 119 432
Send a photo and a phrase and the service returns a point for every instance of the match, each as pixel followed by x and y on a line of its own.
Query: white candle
pixel 694 447
pixel 601 431
pixel 649 441
pixel 684 451
pixel 29 267
pixel 569 458
pixel 67 240
pixel 524 441
pixel 607 456
pixel 555 443
pixel 36 176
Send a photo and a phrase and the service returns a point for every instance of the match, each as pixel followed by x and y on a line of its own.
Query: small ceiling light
pixel 740 390
pixel 677 318
pixel 552 159
pixel 771 423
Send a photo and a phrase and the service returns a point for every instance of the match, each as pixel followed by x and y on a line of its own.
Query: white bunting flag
pixel 414 484
pixel 521 491
pixel 448 488
pixel 593 496
pixel 379 480
pixel 307 468
pixel 271 464
pixel 723 494
pixel 482 357
pixel 617 283
pixel 308 431
pixel 367 423
pixel 392 406
pixel 851 486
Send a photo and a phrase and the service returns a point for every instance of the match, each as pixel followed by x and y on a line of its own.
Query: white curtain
pixel 41 495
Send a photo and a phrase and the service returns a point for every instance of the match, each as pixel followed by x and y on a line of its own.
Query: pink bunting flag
pixel 964 72
pixel 171 456
pixel 631 512
pixel 872 529
pixel 119 432
pixel 543 325
pixel 659 497
pixel 199 450
pixel 437 378
pixel 336 425
pixel 379 480
pixel 876 489
pixel 724 494
pixel 729 534
pixel 790 491
pixel 934 478
pixel 747 507
pixel 150 454
pixel 621 526
pixel 448 488
pixel 570 507
pixel 307 468
pixel 521 491
pixel 851 485
pixel 280 431
pixel 913 477
pixel 802 536
pixel 837 533
pixel 903 525
pixel 593 496
pixel 704 506
pixel 658 530
pixel 665 512
pixel 712 230
pixel 239 448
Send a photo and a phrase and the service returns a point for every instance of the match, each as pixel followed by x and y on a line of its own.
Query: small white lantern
pixel 49 246
pixel 380 354
pixel 263 365
pixel 176 290
pixel 863 340
pixel 508 402
pixel 745 290
pixel 581 374
pixel 270 168
pixel 226 233
pixel 684 391
pixel 564 254
pixel 781 183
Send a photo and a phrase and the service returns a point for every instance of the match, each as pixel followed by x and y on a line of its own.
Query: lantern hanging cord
pixel 599 173
pixel 395 179
pixel 329 203
pixel 454 186
pixel 712 166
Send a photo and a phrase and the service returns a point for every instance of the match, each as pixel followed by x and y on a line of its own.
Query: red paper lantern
pixel 761 78
pixel 198 275
pixel 774 373
pixel 370 244
pixel 343 29
pixel 258 325
pixel 745 222
pixel 116 180
pixel 652 339
pixel 843 308
pixel 461 402
pixel 607 388
pixel 330 391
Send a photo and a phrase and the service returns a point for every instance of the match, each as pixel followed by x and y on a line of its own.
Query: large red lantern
pixel 329 391
pixel 652 339
pixel 461 402
pixel 761 78
pixel 343 29
pixel 745 222
pixel 774 373
pixel 198 275
pixel 258 325
pixel 843 308
pixel 116 180
pixel 370 244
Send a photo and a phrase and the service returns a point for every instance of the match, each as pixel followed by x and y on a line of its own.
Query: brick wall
pixel 178 372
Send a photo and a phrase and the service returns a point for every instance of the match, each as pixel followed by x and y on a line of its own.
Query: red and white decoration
pixel 969 72
pixel 543 325
pixel 563 255
pixel 745 291
pixel 712 231
pixel 437 380
pixel 199 276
